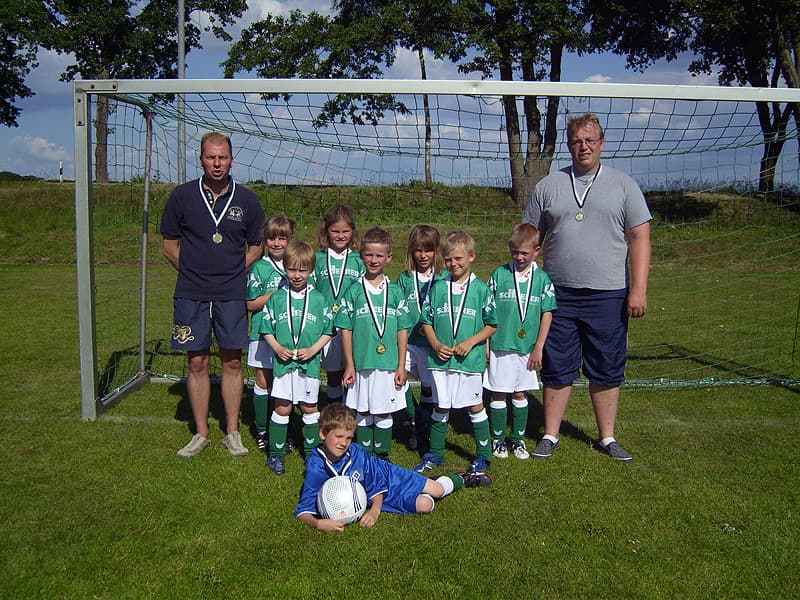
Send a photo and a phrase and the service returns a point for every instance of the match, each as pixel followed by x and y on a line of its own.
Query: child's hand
pixel 349 377
pixel 535 359
pixel 463 348
pixel 370 517
pixel 304 354
pixel 329 525
pixel 444 352
pixel 285 354
pixel 400 377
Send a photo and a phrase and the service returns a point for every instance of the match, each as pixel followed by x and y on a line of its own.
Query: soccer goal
pixel 719 166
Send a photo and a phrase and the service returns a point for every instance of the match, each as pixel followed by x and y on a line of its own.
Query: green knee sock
pixel 482 438
pixel 438 437
pixel 498 417
pixel 519 422
pixel 260 408
pixel 278 427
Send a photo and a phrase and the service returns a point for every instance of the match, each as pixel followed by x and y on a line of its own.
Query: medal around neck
pixel 579 216
pixel 380 348
pixel 217 237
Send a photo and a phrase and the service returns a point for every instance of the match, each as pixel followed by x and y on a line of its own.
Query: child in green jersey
pixel 373 322
pixel 458 317
pixel 423 265
pixel 338 266
pixel 297 323
pixel 264 278
pixel 525 299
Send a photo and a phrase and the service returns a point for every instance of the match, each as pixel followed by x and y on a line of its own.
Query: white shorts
pixel 374 392
pixel 508 372
pixel 332 354
pixel 260 354
pixel 297 387
pixel 417 365
pixel 454 389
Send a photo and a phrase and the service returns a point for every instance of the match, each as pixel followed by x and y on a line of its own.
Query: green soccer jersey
pixel 311 318
pixel 471 309
pixel 334 273
pixel 415 290
pixel 364 318
pixel 536 296
pixel 265 276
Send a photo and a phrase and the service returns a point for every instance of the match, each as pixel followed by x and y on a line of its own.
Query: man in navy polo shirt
pixel 591 219
pixel 212 234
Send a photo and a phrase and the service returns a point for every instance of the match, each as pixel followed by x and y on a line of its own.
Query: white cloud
pixel 597 78
pixel 39 148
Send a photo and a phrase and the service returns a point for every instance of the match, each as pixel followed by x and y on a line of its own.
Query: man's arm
pixel 171 249
pixel 253 254
pixel 639 240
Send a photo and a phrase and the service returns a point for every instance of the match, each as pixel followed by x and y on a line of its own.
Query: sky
pixel 43 138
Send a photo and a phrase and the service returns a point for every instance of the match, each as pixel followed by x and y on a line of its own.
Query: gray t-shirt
pixel 592 252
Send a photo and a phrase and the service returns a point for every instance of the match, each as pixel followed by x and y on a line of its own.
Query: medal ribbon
pixel 456 323
pixel 523 308
pixel 290 319
pixel 276 266
pixel 421 297
pixel 582 198
pixel 380 327
pixel 210 207
pixel 338 286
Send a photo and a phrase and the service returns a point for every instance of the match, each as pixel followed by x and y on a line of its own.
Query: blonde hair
pixel 277 226
pixel 456 239
pixel 427 238
pixel 299 255
pixel 335 214
pixel 215 137
pixel 580 121
pixel 523 234
pixel 337 416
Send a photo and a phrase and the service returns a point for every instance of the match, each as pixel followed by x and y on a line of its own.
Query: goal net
pixel 724 295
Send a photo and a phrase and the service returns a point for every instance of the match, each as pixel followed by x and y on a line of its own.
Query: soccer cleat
pixel 412 443
pixel 544 449
pixel 476 478
pixel 277 464
pixel 520 450
pixel 480 464
pixel 500 449
pixel 197 444
pixel 289 444
pixel 262 439
pixel 615 451
pixel 233 442
pixel 429 463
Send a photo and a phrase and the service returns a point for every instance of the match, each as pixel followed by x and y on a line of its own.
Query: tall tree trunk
pixel 101 136
pixel 514 140
pixel 427 110
pixel 773 130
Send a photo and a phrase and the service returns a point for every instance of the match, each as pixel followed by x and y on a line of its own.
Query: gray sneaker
pixel 197 444
pixel 544 449
pixel 615 451
pixel 233 442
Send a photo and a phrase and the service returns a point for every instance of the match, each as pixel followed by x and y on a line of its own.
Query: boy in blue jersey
pixel 389 487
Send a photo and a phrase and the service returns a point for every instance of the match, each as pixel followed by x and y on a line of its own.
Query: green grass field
pixel 710 508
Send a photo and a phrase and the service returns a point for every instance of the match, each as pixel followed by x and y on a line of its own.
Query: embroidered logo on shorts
pixel 182 333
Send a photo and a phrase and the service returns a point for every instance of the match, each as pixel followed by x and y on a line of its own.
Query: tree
pixel 358 41
pixel 111 39
pixel 527 40
pixel 18 20
pixel 754 43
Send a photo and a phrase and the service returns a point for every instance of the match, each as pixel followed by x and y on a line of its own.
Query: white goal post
pixel 705 128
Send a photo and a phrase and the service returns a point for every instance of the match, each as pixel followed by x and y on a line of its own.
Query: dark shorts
pixel 589 332
pixel 194 320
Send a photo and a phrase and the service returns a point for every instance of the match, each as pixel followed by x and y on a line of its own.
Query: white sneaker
pixel 520 450
pixel 233 442
pixel 197 444
pixel 500 449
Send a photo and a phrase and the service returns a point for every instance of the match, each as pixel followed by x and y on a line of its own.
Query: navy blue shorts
pixel 193 321
pixel 589 332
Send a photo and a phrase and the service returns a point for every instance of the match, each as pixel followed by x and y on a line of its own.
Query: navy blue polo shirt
pixel 207 270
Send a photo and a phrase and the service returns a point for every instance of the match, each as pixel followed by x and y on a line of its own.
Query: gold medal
pixel 294 354
pixel 522 333
pixel 335 308
pixel 380 348
pixel 217 237
pixel 579 216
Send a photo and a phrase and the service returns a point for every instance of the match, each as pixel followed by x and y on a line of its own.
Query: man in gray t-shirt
pixel 591 219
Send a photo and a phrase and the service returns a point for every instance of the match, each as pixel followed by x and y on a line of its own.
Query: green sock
pixel 458 481
pixel 411 408
pixel 310 437
pixel 438 437
pixel 519 422
pixel 364 437
pixel 382 440
pixel 482 439
pixel 498 417
pixel 260 408
pixel 278 427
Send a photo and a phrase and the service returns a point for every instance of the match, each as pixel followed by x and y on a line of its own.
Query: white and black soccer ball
pixel 342 498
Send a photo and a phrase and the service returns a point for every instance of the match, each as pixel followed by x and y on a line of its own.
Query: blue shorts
pixel 589 332
pixel 193 321
pixel 404 488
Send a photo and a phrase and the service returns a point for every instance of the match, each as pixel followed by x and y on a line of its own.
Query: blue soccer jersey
pixel 400 486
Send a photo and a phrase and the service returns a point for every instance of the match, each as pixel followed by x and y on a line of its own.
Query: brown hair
pixel 215 137
pixel 575 123
pixel 335 214
pixel 299 255
pixel 337 416
pixel 523 234
pixel 376 235
pixel 427 238
pixel 277 226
